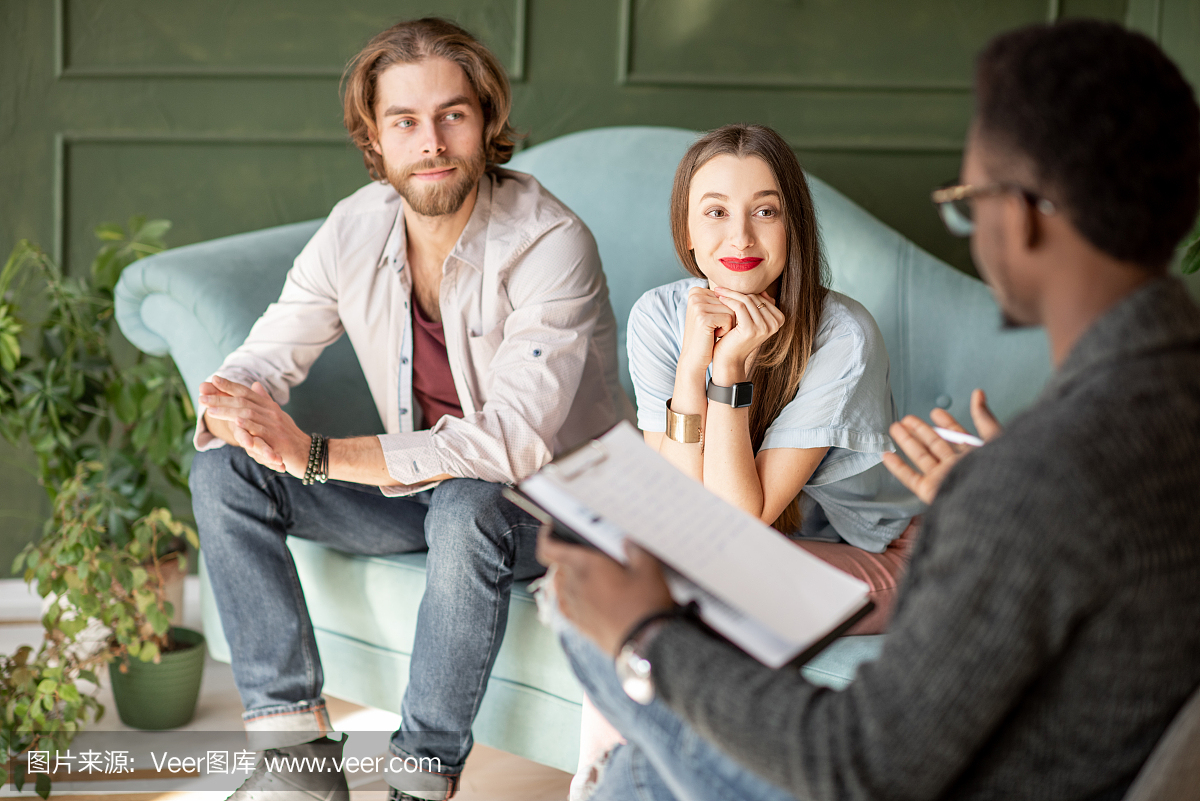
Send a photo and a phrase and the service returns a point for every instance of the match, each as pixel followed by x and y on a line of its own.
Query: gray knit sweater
pixel 1049 625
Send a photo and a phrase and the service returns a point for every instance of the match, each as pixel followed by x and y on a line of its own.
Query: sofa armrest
pixel 197 303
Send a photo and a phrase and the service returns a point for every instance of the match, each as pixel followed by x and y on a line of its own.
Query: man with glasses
pixel 1048 629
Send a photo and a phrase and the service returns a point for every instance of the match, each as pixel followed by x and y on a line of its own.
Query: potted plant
pixel 75 390
pixel 120 582
pixel 110 428
pixel 41 709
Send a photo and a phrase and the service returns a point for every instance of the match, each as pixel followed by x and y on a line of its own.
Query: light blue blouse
pixel 844 403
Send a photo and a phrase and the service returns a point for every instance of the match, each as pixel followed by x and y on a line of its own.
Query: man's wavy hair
pixel 414 41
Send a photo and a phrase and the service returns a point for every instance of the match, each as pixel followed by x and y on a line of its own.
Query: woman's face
pixel 735 224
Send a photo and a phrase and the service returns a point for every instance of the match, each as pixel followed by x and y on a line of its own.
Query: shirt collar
pixel 472 242
pixel 1158 315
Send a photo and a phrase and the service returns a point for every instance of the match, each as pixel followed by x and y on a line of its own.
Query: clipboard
pixel 765 595
pixel 558 529
pixel 820 645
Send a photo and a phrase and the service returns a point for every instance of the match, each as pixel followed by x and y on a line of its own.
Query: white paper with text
pixel 772 598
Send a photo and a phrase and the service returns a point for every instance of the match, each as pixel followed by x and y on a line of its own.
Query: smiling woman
pixel 760 382
pixel 754 377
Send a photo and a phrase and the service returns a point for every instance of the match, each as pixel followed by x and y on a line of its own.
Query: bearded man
pixel 479 313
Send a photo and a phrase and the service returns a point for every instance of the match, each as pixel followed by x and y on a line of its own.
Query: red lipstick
pixel 740 265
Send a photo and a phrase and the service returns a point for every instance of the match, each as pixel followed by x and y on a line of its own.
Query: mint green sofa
pixel 197 303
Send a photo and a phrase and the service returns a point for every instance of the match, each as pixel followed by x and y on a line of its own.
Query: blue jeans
pixel 478 545
pixel 664 758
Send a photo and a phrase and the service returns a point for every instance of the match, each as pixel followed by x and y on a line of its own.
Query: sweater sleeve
pixel 991 597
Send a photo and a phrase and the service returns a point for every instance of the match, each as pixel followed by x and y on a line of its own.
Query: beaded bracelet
pixel 318 461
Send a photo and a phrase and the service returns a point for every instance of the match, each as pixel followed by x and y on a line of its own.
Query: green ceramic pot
pixel 161 696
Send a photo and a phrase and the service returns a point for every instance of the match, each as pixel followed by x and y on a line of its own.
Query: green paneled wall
pixel 223 115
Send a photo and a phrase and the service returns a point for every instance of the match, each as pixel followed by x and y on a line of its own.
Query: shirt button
pixel 404 360
pixel 404 411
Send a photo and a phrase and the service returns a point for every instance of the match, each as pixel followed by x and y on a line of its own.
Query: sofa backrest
pixel 941 327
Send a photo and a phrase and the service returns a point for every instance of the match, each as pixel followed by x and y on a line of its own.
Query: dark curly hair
pixel 1110 125
pixel 413 41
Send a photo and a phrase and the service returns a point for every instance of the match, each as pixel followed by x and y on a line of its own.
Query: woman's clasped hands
pixel 725 328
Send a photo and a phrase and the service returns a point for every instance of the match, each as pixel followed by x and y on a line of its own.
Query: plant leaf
pixel 111 232
pixel 1191 258
pixel 152 232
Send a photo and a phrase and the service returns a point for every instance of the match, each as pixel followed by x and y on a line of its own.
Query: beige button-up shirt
pixel 530 334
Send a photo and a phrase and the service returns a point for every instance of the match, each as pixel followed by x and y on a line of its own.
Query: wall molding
pixel 878 147
pixel 626 76
pixel 63 140
pixel 64 71
pixel 1146 16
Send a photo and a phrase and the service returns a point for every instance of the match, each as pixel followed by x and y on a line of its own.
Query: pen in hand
pixel 958 437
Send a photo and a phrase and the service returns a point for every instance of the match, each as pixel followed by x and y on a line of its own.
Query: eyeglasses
pixel 954 203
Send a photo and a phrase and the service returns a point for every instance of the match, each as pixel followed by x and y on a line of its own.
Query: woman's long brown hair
pixel 803 285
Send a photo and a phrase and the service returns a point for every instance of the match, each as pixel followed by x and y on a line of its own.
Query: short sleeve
pixel 844 400
pixel 653 341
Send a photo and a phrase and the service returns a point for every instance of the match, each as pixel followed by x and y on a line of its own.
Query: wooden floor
pixel 490 775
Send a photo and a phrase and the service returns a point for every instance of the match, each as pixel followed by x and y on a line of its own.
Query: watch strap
pixel 638 628
pixel 682 428
pixel 690 609
pixel 739 396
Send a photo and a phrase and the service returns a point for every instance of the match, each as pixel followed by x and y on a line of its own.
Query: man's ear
pixel 1035 225
pixel 1024 222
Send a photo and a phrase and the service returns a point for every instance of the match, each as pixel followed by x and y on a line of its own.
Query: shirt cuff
pixel 411 459
pixel 203 439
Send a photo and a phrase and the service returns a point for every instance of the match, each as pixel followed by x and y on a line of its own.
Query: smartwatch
pixel 739 396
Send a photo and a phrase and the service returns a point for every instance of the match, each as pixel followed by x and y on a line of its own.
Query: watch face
pixel 743 394
pixel 633 671
pixel 639 689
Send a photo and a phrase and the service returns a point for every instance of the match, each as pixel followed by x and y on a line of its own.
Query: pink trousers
pixel 880 571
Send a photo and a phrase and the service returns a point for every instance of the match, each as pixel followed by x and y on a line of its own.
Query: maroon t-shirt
pixel 432 382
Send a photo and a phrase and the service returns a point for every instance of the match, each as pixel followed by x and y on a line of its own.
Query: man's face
pixel 430 134
pixel 997 246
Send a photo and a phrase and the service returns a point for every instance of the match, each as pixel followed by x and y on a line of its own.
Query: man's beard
pixel 443 197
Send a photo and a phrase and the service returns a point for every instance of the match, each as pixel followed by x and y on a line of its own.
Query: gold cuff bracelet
pixel 683 428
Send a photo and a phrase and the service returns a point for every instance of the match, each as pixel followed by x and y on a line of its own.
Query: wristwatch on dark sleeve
pixel 739 396
pixel 633 668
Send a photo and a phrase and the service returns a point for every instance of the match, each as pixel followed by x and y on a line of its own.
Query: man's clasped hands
pixel 256 423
